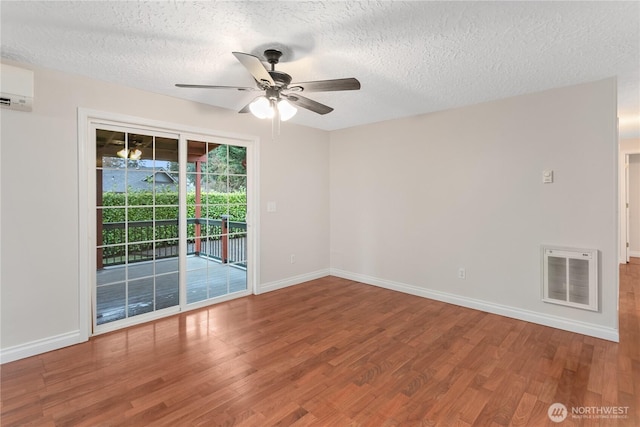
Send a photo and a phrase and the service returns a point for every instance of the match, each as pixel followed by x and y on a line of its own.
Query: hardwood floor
pixel 332 352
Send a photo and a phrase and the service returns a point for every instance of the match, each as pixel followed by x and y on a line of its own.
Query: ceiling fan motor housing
pixel 281 79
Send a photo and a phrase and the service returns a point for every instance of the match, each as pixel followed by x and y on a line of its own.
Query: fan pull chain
pixel 275 122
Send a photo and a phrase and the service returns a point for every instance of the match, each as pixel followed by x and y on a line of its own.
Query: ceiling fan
pixel 280 93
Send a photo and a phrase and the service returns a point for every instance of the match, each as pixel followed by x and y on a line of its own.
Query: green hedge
pixel 140 208
pixel 140 203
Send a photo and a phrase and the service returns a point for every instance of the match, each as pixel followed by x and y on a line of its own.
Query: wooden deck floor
pixel 332 352
pixel 154 284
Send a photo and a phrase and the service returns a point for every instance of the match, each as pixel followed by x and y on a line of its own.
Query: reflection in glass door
pixel 137 269
pixel 216 191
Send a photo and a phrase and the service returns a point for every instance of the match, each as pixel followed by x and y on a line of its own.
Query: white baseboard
pixel 635 254
pixel 291 281
pixel 557 322
pixel 40 346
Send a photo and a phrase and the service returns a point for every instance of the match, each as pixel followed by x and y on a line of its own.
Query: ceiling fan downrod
pixel 273 57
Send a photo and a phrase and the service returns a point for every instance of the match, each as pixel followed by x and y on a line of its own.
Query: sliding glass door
pixel 154 257
pixel 217 226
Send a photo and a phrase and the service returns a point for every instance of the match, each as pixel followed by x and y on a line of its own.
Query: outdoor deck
pixel 206 278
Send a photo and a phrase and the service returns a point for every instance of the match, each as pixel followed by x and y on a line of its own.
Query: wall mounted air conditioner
pixel 570 277
pixel 16 88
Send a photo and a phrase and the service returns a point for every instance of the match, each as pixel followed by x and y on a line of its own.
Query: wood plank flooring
pixel 332 352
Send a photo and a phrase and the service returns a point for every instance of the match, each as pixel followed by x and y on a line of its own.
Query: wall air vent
pixel 570 277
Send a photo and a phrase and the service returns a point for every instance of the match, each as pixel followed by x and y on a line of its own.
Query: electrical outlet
pixel 462 273
pixel 293 259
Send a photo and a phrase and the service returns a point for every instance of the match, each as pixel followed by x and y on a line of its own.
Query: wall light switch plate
pixel 271 206
pixel 547 176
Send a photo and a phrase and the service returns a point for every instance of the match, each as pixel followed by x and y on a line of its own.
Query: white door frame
pixel 631 185
pixel 87 119
pixel 623 179
pixel 626 209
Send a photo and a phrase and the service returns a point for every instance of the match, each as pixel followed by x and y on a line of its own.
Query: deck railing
pixel 137 241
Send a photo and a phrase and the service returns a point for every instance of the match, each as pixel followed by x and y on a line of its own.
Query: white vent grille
pixel 570 277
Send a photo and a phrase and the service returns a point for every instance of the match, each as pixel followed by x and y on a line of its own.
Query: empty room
pixel 257 213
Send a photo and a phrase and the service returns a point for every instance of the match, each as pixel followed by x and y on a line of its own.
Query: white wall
pixel 39 218
pixel 630 145
pixel 414 200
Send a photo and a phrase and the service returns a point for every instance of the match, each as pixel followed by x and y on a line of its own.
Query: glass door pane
pixel 217 226
pixel 137 224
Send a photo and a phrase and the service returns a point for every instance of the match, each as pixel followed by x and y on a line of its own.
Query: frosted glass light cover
pixel 286 110
pixel 261 108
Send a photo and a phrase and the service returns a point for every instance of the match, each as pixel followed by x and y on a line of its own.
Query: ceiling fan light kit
pixel 281 96
pixel 131 154
pixel 264 108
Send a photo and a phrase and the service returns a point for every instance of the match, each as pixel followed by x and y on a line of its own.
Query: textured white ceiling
pixel 411 57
